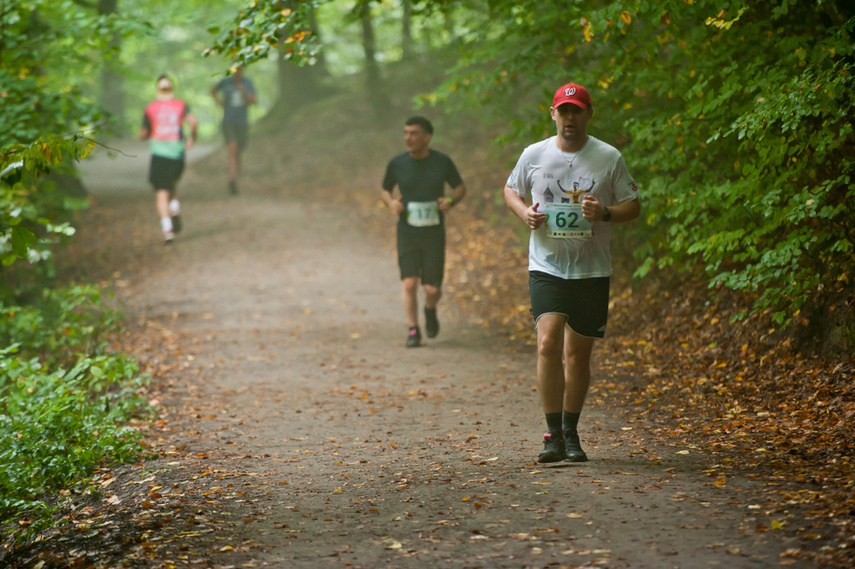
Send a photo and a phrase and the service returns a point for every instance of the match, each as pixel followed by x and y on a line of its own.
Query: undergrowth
pixel 64 397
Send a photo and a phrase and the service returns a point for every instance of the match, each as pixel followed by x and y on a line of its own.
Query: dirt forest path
pixel 298 432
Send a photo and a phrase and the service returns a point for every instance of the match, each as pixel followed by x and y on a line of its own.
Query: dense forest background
pixel 733 116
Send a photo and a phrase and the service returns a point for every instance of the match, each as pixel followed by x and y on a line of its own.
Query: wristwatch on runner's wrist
pixel 607 215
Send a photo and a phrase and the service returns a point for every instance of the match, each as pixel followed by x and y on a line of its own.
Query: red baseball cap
pixel 572 93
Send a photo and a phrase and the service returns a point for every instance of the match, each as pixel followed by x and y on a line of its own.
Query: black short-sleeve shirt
pixel 420 180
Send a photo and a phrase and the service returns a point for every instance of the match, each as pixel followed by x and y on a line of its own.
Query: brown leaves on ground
pixel 673 362
pixel 738 390
pixel 745 395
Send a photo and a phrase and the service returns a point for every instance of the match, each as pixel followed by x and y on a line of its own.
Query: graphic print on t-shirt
pixel 577 189
pixel 599 171
pixel 164 120
pixel 569 192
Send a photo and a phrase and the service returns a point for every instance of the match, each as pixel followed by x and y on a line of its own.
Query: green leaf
pixel 22 238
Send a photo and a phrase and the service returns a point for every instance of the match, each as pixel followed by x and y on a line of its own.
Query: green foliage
pixel 264 27
pixel 735 118
pixel 63 399
pixel 32 216
pixel 63 396
pixel 29 110
pixel 46 49
pixel 58 324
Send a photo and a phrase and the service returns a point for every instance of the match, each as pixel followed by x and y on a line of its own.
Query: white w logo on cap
pixel 569 92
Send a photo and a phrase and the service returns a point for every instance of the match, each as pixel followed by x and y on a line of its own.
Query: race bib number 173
pixel 565 221
pixel 422 214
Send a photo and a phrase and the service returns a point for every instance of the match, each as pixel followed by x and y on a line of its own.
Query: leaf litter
pixel 673 366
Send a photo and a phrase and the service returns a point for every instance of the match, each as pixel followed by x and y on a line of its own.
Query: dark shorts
pixel 164 173
pixel 422 254
pixel 584 302
pixel 239 132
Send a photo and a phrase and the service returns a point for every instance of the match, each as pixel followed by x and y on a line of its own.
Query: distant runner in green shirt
pixel 421 174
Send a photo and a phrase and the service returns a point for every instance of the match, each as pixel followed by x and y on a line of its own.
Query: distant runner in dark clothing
pixel 420 174
pixel 235 93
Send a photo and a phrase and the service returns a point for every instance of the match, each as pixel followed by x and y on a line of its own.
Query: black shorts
pixel 239 132
pixel 421 254
pixel 164 173
pixel 584 302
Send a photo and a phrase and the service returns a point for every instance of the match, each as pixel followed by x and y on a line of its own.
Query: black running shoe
pixel 176 223
pixel 414 337
pixel 573 447
pixel 431 322
pixel 553 448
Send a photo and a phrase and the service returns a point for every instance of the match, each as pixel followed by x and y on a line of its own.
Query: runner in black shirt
pixel 420 175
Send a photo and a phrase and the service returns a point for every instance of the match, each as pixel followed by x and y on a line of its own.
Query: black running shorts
pixel 584 302
pixel 164 173
pixel 238 132
pixel 421 254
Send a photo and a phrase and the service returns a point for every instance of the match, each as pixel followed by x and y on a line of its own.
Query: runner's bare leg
pixel 577 369
pixel 550 369
pixel 161 200
pixel 410 298
pixel 432 296
pixel 233 160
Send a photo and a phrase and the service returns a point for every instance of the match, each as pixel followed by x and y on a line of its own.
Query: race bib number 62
pixel 565 221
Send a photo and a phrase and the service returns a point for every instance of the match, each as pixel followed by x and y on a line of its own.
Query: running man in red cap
pixel 579 186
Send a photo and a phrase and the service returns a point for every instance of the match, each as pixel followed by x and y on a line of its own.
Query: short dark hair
pixel 163 76
pixel 422 122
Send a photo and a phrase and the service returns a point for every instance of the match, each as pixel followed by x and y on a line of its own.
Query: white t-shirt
pixel 549 174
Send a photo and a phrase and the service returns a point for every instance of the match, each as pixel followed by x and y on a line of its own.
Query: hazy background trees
pixel 733 115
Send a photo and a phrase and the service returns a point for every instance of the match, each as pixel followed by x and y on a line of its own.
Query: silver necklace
pixel 572 158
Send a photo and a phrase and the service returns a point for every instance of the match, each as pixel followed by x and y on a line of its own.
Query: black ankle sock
pixel 570 420
pixel 553 422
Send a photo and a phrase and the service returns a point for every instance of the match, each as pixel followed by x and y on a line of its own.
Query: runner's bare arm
pixel 593 210
pixel 394 205
pixel 457 194
pixel 193 123
pixel 528 214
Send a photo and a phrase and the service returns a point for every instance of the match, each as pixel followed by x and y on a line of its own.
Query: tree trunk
pixel 406 34
pixel 376 94
pixel 112 97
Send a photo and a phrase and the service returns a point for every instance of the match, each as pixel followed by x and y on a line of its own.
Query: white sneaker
pixel 168 236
